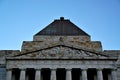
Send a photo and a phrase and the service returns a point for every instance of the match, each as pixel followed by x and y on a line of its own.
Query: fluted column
pixel 114 74
pixel 99 74
pixel 22 74
pixel 68 74
pixel 38 74
pixel 53 74
pixel 84 74
pixel 9 74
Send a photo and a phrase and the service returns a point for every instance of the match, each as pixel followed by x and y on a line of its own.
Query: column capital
pixel 38 69
pixel 9 69
pixel 53 69
pixel 99 69
pixel 68 69
pixel 114 69
pixel 23 69
pixel 84 69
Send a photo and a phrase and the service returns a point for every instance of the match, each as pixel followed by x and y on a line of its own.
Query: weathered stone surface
pixel 62 51
pixel 63 38
pixel 6 53
pixel 112 53
pixel 35 63
pixel 48 41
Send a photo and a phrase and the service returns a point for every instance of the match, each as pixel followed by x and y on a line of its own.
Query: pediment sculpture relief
pixel 61 51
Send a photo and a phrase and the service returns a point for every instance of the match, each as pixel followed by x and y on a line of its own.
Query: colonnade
pixel 53 75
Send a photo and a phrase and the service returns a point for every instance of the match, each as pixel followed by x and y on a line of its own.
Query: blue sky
pixel 21 19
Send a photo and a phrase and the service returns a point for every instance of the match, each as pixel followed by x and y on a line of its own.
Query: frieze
pixel 58 64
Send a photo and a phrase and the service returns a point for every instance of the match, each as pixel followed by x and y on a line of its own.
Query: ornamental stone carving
pixel 61 51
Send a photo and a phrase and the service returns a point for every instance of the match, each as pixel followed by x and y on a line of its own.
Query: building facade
pixel 61 51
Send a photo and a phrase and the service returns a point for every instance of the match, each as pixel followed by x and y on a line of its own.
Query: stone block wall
pixel 64 38
pixel 112 53
pixel 7 53
pixel 41 42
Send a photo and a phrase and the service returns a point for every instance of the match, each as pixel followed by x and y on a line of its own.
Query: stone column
pixel 13 76
pixel 22 74
pixel 109 76
pixel 99 74
pixel 95 77
pixel 9 74
pixel 38 74
pixel 84 74
pixel 68 74
pixel 80 77
pixel 114 74
pixel 53 74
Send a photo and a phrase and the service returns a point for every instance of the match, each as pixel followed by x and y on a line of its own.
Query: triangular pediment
pixel 61 51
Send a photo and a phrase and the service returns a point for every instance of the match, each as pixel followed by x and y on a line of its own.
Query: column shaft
pixel 84 74
pixel 68 74
pixel 109 76
pixel 53 74
pixel 38 74
pixel 99 74
pixel 113 74
pixel 9 74
pixel 22 74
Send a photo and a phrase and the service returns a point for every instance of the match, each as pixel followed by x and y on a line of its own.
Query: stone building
pixel 61 51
